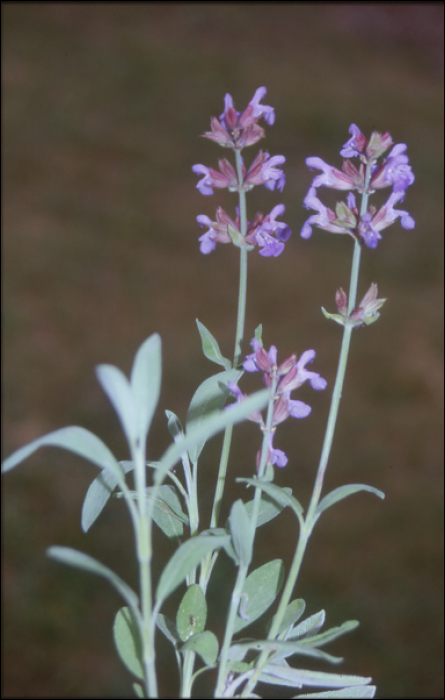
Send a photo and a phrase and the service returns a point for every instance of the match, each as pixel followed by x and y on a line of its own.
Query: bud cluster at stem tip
pixel 238 130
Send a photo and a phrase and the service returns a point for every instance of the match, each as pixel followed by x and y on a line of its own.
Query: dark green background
pixel 103 105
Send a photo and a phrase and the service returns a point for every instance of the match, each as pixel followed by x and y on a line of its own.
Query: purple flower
pixel 232 119
pixel 359 146
pixel 264 171
pixel 395 171
pixel 325 218
pixel 369 227
pixel 332 177
pixel 270 234
pixel 275 456
pixel 225 177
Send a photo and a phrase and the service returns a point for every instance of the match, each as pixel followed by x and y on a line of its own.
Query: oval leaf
pixel 210 347
pixel 146 383
pixel 282 496
pixel 309 626
pixel 259 592
pixel 210 425
pixel 184 560
pixel 192 613
pixel 205 644
pixel 269 508
pixel 117 387
pixel 98 495
pixel 127 640
pixel 167 512
pixel 241 533
pixel 210 396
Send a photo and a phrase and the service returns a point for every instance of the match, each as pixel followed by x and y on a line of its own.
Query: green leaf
pixel 342 492
pixel 259 334
pixel 127 640
pixel 174 425
pixel 138 690
pixel 309 626
pixel 117 387
pixel 209 426
pixel 269 508
pixel 282 496
pixel 296 678
pixel 353 691
pixel 292 614
pixel 318 640
pixel 260 590
pixel 241 533
pixel 184 560
pixel 168 628
pixel 72 557
pixel 210 347
pixel 146 383
pixel 98 495
pixel 205 644
pixel 192 613
pixel 338 318
pixel 210 396
pixel 74 439
pixel 167 513
pixel 282 649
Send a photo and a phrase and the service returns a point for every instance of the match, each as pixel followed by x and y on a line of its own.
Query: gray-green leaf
pixel 192 613
pixel 209 397
pixel 210 347
pixel 241 533
pixel 127 640
pixel 260 590
pixel 205 644
pixel 75 439
pixel 72 557
pixel 342 492
pixel 185 559
pixel 282 496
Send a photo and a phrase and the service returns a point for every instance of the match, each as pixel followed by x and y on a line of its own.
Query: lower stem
pixel 311 516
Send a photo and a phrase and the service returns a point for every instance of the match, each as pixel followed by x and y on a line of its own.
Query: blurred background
pixel 103 106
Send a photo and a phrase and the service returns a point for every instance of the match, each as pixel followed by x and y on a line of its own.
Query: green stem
pixel 144 555
pixel 311 516
pixel 241 315
pixel 243 569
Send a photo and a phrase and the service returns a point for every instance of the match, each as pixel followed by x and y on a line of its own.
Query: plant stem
pixel 311 516
pixel 243 569
pixel 241 315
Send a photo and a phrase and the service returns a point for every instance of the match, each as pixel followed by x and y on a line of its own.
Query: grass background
pixel 103 105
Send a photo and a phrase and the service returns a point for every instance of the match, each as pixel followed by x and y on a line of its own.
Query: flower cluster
pixel 393 172
pixel 288 376
pixel 237 130
pixel 264 231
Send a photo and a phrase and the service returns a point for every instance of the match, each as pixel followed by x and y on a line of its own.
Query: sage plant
pixel 155 494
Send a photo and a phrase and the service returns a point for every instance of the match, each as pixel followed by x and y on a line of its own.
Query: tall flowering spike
pixel 394 172
pixel 237 130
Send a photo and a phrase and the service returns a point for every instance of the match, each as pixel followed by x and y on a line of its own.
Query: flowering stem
pixel 311 516
pixel 242 295
pixel 243 568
